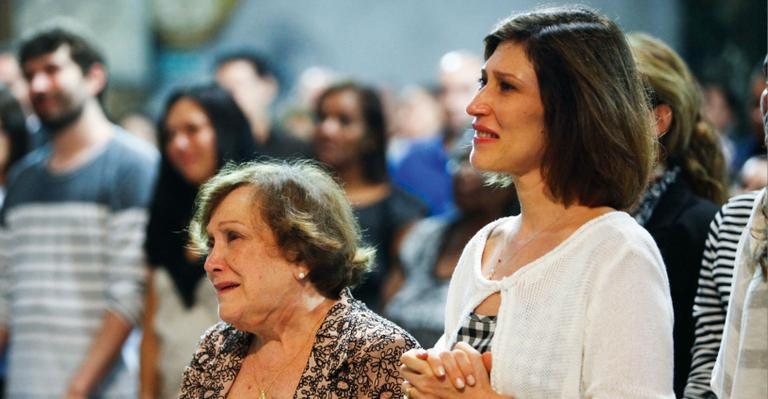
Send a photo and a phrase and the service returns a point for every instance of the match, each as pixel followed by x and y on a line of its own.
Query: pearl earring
pixel 302 275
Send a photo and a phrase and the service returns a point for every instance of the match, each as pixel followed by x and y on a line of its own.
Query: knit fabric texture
pixel 591 318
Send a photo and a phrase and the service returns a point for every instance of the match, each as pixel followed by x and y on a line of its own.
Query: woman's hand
pixel 462 372
pixel 455 365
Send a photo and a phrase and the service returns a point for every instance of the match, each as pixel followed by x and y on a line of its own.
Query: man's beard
pixel 54 125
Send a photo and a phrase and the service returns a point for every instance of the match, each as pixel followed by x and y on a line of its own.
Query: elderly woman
pixel 569 299
pixel 283 248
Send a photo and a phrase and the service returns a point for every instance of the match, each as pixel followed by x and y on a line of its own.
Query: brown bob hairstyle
pixel 307 211
pixel 600 143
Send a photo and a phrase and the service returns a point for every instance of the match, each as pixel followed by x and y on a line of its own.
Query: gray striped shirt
pixel 70 250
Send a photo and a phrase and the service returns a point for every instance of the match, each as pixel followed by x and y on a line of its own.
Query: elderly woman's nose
pixel 213 262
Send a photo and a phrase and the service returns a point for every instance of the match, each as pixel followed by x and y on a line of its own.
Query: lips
pixel 327 152
pixel 324 146
pixel 483 132
pixel 188 159
pixel 43 103
pixel 225 286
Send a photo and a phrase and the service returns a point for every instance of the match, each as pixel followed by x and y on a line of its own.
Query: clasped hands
pixel 462 372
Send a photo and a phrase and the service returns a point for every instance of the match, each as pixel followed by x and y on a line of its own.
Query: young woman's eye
pixel 504 86
pixel 192 129
pixel 345 120
pixel 482 82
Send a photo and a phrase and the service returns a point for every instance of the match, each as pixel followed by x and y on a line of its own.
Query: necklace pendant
pixel 262 394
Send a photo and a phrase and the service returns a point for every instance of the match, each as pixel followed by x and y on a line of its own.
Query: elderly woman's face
pixel 340 130
pixel 508 114
pixel 251 277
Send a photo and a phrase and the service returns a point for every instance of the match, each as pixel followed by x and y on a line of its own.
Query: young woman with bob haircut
pixel 570 298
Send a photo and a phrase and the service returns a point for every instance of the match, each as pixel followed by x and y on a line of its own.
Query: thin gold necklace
pixel 264 391
pixel 492 271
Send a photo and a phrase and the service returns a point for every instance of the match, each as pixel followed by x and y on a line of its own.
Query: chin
pixel 475 160
pixel 328 157
pixel 482 165
pixel 195 178
pixel 229 315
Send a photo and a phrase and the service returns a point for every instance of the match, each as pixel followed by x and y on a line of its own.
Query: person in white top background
pixel 570 298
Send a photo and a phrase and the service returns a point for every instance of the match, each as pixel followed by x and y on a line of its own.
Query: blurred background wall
pixel 152 45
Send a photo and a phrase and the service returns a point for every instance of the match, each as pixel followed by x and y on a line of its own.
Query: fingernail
pixel 471 380
pixel 440 371
pixel 459 383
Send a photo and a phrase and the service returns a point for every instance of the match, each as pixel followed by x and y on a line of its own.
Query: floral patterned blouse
pixel 356 354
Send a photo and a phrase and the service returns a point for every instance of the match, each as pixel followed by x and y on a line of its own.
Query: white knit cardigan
pixel 590 319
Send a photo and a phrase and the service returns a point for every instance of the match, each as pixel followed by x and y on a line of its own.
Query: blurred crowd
pixel 110 226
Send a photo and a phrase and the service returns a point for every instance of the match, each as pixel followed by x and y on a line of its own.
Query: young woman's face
pixel 508 114
pixel 191 141
pixel 340 130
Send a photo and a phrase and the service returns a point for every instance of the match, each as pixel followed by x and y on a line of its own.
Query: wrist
pixel 79 386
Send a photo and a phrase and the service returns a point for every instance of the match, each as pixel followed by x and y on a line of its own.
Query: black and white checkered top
pixel 477 331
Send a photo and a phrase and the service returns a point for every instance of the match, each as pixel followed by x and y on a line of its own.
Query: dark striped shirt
pixel 711 302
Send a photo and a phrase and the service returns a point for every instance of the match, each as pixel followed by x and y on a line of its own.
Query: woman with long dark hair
pixel 350 138
pixel 201 129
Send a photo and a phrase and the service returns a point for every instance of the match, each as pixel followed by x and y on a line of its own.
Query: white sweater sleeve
pixel 628 345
